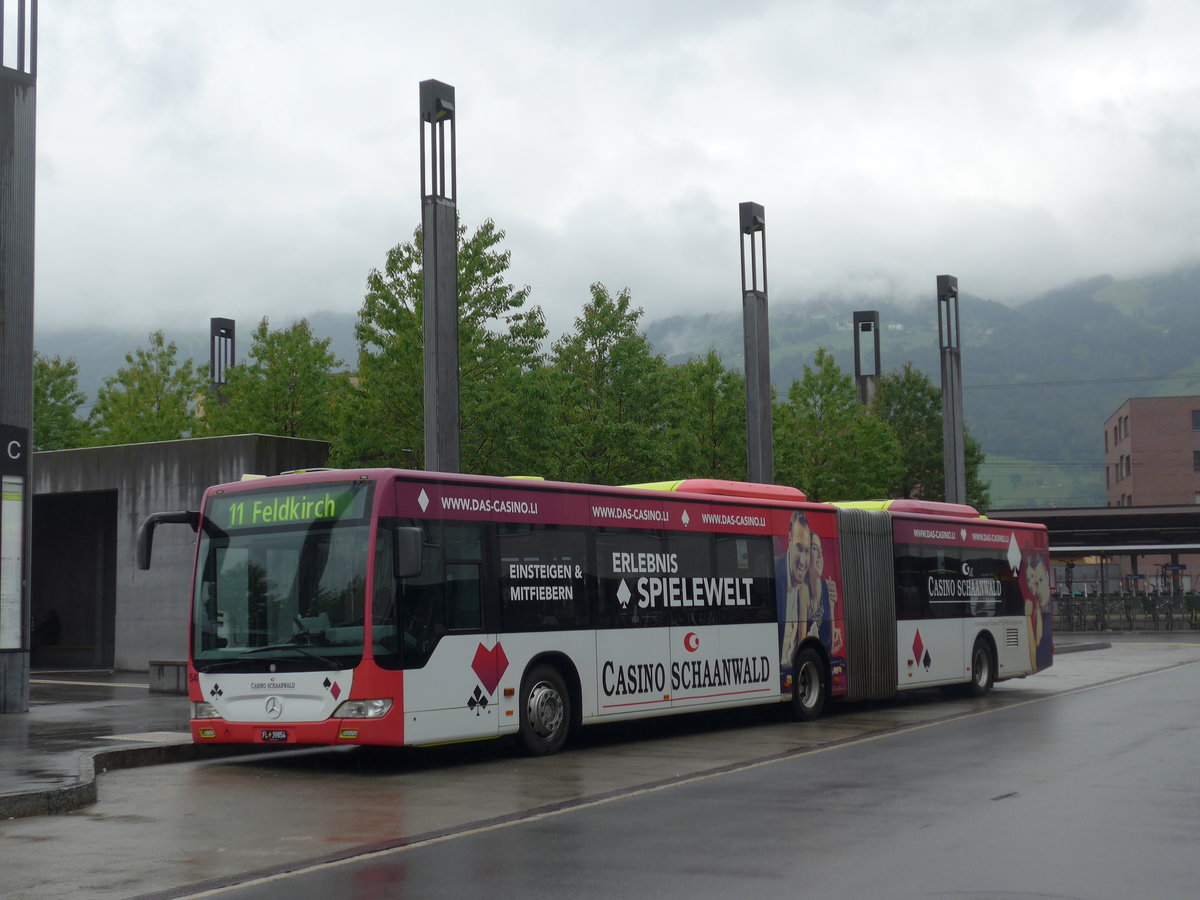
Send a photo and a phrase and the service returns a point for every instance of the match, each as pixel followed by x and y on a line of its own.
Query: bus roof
pixel 722 488
pixel 906 505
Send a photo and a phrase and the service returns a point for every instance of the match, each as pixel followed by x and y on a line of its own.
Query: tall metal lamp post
pixel 222 351
pixel 866 371
pixel 439 262
pixel 760 463
pixel 952 403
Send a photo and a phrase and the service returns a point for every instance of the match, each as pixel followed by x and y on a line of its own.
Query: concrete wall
pixel 151 607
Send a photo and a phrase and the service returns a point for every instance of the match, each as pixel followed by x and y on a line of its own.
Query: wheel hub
pixel 544 710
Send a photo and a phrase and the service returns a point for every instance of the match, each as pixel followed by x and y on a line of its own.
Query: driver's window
pixel 412 616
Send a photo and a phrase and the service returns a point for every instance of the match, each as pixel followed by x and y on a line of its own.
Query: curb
pixel 1077 648
pixel 65 798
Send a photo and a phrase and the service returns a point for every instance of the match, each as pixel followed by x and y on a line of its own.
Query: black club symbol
pixel 478 700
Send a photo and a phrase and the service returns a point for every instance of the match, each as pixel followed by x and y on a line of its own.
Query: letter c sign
pixel 13 442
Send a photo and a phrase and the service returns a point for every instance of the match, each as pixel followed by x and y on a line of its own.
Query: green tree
pixel 608 397
pixel 57 424
pixel 979 491
pixel 707 411
pixel 500 340
pixel 151 398
pixel 910 403
pixel 288 387
pixel 826 443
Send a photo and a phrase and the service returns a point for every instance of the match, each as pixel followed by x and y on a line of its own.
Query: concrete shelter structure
pixel 91 605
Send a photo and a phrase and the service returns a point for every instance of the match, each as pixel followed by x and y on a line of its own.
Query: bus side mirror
pixel 406 552
pixel 145 538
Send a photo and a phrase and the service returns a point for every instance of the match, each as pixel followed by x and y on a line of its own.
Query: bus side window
pixel 910 575
pixel 695 557
pixel 545 577
pixel 463 606
pixel 747 556
pixel 463 549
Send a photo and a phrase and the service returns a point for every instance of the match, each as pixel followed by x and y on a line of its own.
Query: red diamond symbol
pixel 917 647
pixel 490 666
pixel 335 690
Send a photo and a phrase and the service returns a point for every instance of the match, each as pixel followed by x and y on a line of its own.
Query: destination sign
pixel 303 505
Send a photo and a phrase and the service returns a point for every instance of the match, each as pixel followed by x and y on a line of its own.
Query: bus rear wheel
pixel 808 685
pixel 983 672
pixel 545 711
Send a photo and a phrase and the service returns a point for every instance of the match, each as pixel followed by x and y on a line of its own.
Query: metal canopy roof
pixel 1116 529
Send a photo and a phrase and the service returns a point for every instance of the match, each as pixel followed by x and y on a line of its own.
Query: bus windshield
pixel 281 597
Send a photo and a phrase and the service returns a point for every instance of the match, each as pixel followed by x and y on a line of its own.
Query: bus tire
pixel 545 711
pixel 808 685
pixel 983 669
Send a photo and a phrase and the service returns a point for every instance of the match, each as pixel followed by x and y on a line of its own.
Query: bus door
pixel 441 639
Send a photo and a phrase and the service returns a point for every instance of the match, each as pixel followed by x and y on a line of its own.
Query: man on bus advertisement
pixel 807 592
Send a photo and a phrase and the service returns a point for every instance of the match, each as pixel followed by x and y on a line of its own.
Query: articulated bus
pixel 392 607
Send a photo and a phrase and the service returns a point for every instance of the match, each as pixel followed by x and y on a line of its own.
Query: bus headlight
pixel 363 709
pixel 204 710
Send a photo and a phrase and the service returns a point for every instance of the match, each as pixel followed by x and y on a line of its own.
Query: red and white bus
pixel 397 607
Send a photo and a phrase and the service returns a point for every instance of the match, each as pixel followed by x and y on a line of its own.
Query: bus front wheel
pixel 545 711
pixel 983 672
pixel 808 685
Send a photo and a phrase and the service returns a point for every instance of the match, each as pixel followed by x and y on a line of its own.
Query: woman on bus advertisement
pixel 824 612
pixel 1035 589
pixel 793 586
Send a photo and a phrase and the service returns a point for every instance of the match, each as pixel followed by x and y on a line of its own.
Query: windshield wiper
pixel 219 665
pixel 331 663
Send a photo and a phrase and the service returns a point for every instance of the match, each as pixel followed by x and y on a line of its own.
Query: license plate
pixel 274 736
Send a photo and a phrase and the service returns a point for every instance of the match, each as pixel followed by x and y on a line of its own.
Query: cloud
pixel 258 159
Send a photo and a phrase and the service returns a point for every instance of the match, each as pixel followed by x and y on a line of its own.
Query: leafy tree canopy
pixel 500 341
pixel 151 398
pixel 607 387
pixel 707 419
pixel 826 443
pixel 289 387
pixel 911 404
pixel 57 424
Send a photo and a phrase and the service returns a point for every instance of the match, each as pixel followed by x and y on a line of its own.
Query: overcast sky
pixel 255 158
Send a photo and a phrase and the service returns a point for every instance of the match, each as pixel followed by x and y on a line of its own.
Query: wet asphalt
pixel 197 825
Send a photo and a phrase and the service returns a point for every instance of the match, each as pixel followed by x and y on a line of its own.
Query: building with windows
pixel 1152 461
pixel 1152 452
